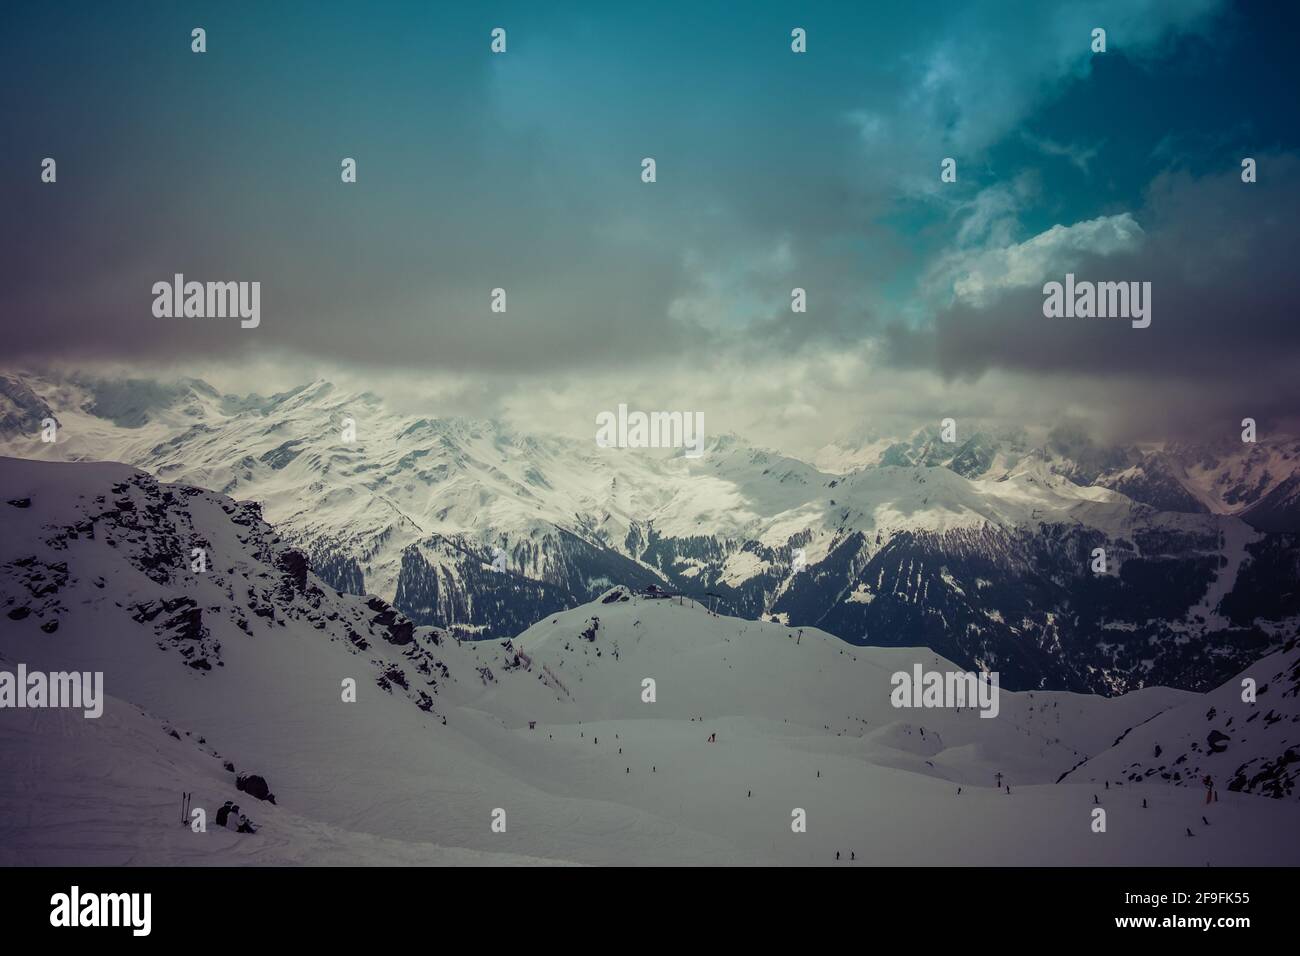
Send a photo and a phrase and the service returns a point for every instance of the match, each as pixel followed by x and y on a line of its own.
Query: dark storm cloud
pixel 1220 257
pixel 478 172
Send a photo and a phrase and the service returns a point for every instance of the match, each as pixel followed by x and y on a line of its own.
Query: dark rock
pixel 253 785
pixel 294 565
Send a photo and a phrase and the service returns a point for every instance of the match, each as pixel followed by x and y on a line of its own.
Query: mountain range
pixel 982 549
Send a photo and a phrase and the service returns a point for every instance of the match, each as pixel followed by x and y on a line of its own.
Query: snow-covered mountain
pixel 980 549
pixel 237 669
pixel 1244 735
pixel 1219 477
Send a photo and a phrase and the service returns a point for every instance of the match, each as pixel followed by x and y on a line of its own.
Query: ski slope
pixel 802 721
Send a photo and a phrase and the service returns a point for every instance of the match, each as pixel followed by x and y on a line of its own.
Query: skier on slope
pixel 223 814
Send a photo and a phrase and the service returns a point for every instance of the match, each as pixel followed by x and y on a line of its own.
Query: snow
pixel 1236 536
pixel 109 796
pixel 802 721
pixel 861 594
pixel 408 477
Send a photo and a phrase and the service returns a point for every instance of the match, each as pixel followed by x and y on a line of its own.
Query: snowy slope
pixel 89 547
pixel 1244 745
pixel 807 680
pixel 108 796
pixel 802 720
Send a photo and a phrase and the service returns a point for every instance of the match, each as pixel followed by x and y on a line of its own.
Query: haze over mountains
pixel 980 549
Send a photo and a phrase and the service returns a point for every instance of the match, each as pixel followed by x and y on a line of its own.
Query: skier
pixel 1144 803
pixel 223 814
pixel 1095 801
pixel 959 791
pixel 232 818
pixel 837 856
pixel 245 825
pixel 1205 821
pixel 749 793
pixel 1189 831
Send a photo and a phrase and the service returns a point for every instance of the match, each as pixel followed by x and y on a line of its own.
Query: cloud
pixel 775 171
pixel 977 277
pixel 1219 255
pixel 967 83
pixel 1079 156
